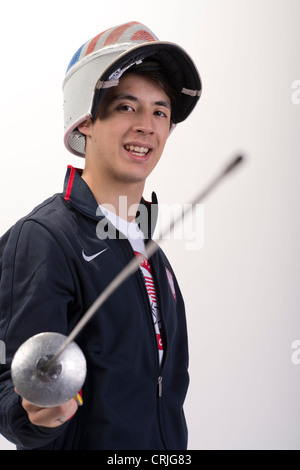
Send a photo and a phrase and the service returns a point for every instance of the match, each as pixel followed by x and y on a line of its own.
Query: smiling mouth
pixel 137 151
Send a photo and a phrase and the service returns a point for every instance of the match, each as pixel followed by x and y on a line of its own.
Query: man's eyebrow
pixel 166 104
pixel 123 96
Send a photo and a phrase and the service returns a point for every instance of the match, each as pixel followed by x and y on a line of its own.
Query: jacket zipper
pixel 159 384
pixel 158 366
pixel 141 277
pixel 164 338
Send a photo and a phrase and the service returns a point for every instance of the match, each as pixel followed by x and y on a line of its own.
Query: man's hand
pixel 50 417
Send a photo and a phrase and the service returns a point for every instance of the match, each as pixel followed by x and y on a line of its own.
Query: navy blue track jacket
pixel 47 284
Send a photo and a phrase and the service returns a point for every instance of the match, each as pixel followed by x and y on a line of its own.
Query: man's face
pixel 127 139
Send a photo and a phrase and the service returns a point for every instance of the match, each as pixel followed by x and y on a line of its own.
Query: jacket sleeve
pixel 36 291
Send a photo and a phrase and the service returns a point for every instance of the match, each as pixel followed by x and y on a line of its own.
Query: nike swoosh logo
pixel 90 258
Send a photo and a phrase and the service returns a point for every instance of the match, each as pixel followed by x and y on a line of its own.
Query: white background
pixel 242 287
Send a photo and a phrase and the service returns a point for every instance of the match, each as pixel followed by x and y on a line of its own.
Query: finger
pixel 50 417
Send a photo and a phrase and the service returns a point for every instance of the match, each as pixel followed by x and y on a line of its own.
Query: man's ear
pixel 85 127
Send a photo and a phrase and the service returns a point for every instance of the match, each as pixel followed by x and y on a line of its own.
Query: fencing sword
pixel 49 368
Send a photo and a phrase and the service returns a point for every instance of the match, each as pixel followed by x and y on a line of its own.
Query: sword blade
pixel 133 265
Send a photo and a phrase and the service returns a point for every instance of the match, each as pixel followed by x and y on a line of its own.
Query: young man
pixel 124 91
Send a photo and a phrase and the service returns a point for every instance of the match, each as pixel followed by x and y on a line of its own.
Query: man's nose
pixel 144 123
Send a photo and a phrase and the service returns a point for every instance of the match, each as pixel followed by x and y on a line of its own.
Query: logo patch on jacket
pixel 171 282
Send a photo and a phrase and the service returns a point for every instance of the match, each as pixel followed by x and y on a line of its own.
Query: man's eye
pixel 125 107
pixel 160 113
